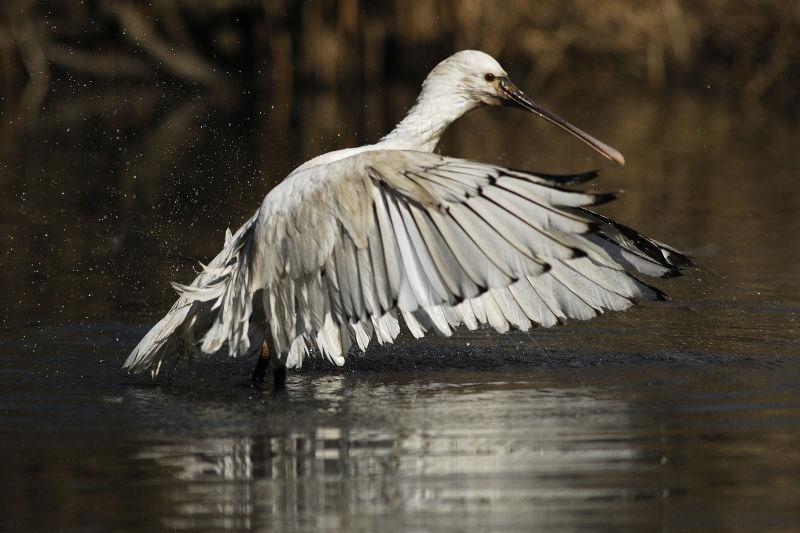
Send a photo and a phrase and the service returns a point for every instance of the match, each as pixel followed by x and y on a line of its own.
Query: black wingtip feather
pixel 679 260
pixel 593 227
pixel 658 294
pixel 567 179
pixel 604 198
pixel 661 253
pixel 672 273
pixel 661 296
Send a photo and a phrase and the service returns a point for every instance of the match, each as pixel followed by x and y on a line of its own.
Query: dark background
pixel 133 133
pixel 747 49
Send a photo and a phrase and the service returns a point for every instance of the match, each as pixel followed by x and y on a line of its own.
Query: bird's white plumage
pixel 354 240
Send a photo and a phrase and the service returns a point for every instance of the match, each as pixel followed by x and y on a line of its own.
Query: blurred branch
pixel 35 61
pixel 748 48
pixel 775 67
pixel 137 29
pixel 679 35
pixel 109 65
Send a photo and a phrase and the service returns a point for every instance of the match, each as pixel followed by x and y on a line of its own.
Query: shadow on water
pixel 682 414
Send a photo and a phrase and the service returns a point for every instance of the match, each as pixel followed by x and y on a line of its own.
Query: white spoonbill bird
pixel 354 239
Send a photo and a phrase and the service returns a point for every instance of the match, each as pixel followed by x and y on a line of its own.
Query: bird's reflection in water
pixel 501 455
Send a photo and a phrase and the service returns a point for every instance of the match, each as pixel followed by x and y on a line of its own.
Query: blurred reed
pixel 748 49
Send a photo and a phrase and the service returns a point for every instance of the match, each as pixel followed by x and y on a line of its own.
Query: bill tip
pixel 617 157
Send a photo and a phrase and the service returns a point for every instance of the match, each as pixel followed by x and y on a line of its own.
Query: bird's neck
pixel 426 122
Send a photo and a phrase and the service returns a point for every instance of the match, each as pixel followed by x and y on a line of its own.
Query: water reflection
pixel 501 454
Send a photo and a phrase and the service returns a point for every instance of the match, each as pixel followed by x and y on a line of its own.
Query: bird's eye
pixel 489 77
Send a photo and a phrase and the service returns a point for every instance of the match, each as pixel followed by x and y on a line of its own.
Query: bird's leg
pixel 267 360
pixel 278 366
pixel 278 374
pixel 262 364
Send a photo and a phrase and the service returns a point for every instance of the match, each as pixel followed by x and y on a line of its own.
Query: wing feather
pixel 338 248
pixel 448 267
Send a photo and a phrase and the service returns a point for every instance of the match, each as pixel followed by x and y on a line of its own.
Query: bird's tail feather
pixel 163 339
pixel 211 304
pixel 231 297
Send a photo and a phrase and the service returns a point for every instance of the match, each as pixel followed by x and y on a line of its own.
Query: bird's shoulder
pixel 333 180
pixel 328 191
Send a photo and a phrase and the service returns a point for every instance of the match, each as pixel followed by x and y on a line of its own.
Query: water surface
pixel 677 415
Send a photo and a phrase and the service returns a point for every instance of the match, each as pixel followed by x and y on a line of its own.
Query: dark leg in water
pixel 279 373
pixel 263 363
pixel 267 360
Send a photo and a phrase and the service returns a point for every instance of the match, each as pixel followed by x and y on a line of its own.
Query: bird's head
pixel 477 79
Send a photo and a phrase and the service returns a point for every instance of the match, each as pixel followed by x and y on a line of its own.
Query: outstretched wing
pixel 338 249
